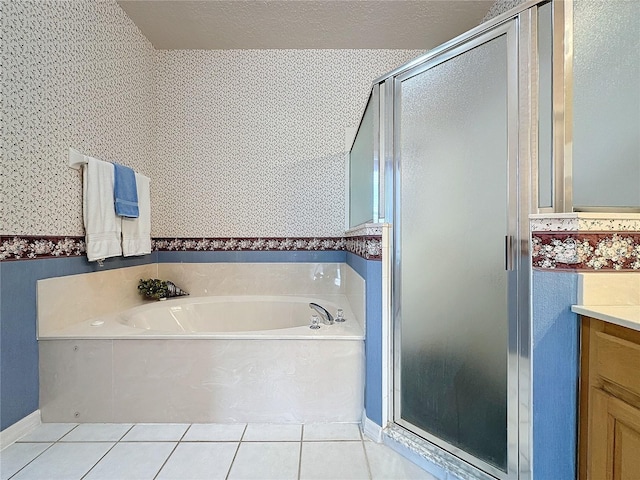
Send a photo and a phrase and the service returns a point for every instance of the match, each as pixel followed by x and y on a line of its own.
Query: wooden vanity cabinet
pixel 609 446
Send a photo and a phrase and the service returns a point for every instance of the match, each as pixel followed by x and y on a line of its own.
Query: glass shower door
pixel 455 225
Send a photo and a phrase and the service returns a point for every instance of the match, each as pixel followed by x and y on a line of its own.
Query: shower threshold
pixel 396 436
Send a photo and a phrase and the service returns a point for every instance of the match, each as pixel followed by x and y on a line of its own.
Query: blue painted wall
pixel 371 271
pixel 321 256
pixel 556 351
pixel 18 345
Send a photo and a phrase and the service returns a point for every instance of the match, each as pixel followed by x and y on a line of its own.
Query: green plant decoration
pixel 159 289
pixel 153 288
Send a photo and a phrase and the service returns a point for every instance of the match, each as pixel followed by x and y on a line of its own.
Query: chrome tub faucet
pixel 323 312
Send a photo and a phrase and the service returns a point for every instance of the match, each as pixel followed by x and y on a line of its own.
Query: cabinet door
pixel 614 439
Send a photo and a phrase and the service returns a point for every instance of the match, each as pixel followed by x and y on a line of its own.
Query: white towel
pixel 102 225
pixel 136 232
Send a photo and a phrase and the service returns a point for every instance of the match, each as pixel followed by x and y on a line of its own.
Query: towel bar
pixel 76 159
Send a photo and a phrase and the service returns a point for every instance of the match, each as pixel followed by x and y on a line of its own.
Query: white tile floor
pixel 332 451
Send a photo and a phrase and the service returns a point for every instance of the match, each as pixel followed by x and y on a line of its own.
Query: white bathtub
pixel 206 359
pixel 241 316
pixel 236 314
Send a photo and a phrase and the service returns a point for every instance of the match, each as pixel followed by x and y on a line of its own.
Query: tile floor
pixel 95 451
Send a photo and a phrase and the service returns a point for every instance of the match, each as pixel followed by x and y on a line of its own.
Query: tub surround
pixel 201 381
pixel 323 279
pixel 201 279
pixel 65 301
pixel 106 293
pixel 90 374
pixel 19 324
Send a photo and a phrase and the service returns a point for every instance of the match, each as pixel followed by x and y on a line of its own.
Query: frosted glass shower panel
pixel 606 103
pixel 453 283
pixel 362 181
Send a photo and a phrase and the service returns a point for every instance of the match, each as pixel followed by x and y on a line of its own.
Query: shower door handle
pixel 508 253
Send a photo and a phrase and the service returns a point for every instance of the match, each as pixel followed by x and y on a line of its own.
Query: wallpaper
pixel 238 143
pixel 74 74
pixel 252 142
pixel 500 7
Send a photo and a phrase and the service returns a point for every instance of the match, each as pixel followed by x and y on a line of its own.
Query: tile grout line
pixel 125 433
pixel 32 460
pixel 51 445
pixel 172 450
pixel 246 425
pixel 97 441
pixel 364 448
pixel 300 441
pixel 99 460
pixel 300 454
pixel 59 439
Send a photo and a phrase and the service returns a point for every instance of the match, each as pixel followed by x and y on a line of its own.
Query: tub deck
pixel 116 325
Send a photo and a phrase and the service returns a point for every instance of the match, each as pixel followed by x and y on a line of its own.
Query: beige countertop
pixel 623 315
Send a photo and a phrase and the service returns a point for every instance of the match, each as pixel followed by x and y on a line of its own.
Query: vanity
pixel 609 424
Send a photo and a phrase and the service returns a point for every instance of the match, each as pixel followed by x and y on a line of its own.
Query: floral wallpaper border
pixel 369 247
pixel 581 222
pixel 247 244
pixel 593 251
pixel 26 248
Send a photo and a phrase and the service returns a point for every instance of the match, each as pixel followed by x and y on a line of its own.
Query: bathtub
pixel 220 359
pixel 241 317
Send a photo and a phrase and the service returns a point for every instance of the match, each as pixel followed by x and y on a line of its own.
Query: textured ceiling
pixel 299 24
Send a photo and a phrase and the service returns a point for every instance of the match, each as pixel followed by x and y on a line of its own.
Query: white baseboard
pixel 19 429
pixel 372 430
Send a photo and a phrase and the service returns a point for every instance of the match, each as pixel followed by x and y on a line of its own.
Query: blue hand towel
pixel 125 192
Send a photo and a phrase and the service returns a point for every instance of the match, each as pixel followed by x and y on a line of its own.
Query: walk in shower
pixel 455 281
pixel 455 148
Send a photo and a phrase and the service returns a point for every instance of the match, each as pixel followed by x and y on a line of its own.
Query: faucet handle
pixel 315 322
pixel 340 316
